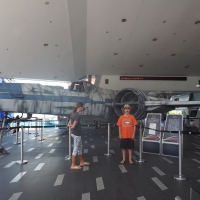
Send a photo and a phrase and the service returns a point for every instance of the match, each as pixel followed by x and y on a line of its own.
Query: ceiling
pixel 68 39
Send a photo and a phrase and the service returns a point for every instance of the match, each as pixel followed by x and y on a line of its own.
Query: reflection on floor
pixel 47 175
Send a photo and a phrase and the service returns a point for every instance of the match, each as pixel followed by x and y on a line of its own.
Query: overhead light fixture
pixel 141 65
pixel 115 54
pixel 173 54
pixel 124 20
pixel 197 22
pixel 197 55
pixel 120 39
pixel 147 54
pixel 187 66
pixel 164 21
pixel 46 3
pixel 155 39
pixel 198 86
pixel 56 45
pixel 46 45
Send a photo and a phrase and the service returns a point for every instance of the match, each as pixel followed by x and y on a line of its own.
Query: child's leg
pixel 80 148
pixel 74 153
pixel 130 153
pixel 123 155
pixel 73 161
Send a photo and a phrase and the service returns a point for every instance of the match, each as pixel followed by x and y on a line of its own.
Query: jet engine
pixel 135 98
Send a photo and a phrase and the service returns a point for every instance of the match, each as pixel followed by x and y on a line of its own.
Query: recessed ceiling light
pixel 155 39
pixel 0 72
pixel 187 66
pixel 55 77
pixel 147 54
pixel 164 21
pixel 106 31
pixel 124 20
pixel 46 3
pixel 46 45
pixel 174 33
pixel 141 65
pixel 173 54
pixel 50 21
pixel 197 22
pixel 197 54
pixel 56 45
pixel 184 41
pixel 115 54
pixel 120 39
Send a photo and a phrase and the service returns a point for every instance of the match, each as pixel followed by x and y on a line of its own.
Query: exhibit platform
pixel 47 175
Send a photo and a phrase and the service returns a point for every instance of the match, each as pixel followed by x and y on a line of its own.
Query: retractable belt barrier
pixel 22 161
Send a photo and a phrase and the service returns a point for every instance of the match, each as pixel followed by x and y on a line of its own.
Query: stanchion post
pixel 108 154
pixel 41 135
pixel 180 177
pixel 36 129
pixel 16 142
pixel 68 157
pixel 22 161
pixel 140 144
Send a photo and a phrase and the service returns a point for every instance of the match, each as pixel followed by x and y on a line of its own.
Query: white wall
pixel 157 86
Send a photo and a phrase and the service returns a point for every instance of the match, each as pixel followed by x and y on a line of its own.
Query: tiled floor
pixel 47 175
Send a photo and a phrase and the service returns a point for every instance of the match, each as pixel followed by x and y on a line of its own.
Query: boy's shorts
pixel 127 143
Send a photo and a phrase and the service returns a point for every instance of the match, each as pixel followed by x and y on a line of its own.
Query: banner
pixel 153 121
pixel 151 135
pixel 170 141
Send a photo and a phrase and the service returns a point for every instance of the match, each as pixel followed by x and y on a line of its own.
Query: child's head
pixel 78 107
pixel 127 109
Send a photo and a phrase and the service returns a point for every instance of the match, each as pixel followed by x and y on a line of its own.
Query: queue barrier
pixel 22 161
pixel 178 177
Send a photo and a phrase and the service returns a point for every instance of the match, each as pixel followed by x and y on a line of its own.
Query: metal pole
pixel 28 126
pixel 41 135
pixel 22 161
pixel 36 133
pixel 140 144
pixel 180 177
pixel 68 157
pixel 16 142
pixel 108 154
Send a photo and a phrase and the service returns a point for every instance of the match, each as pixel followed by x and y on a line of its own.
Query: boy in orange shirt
pixel 127 127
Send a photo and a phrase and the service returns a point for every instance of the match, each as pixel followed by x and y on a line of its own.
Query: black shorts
pixel 127 143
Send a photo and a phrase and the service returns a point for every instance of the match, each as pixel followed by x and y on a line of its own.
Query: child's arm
pixel 72 126
pixel 120 132
pixel 134 128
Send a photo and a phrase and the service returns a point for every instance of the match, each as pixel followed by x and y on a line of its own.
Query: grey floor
pixel 47 175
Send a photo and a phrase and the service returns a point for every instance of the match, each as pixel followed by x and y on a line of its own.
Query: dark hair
pixel 78 104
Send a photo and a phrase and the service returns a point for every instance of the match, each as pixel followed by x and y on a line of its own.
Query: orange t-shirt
pixel 126 122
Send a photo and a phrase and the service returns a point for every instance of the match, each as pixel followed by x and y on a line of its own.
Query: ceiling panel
pixel 84 35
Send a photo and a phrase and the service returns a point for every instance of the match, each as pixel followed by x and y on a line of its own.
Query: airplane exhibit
pixel 101 104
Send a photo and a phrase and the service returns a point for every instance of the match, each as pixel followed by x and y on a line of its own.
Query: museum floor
pixel 47 175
